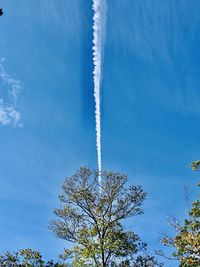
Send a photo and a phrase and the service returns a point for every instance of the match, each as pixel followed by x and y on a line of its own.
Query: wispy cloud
pixel 9 115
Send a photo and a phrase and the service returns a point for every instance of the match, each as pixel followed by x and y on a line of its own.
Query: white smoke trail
pixel 99 20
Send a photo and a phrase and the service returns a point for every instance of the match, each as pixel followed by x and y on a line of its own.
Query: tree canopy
pixel 91 216
pixel 27 258
pixel 187 238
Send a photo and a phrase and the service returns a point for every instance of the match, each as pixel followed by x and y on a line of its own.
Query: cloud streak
pixel 99 19
pixel 9 115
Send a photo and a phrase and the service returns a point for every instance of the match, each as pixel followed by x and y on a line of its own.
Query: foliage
pixel 187 239
pixel 91 217
pixel 26 258
pixel 195 165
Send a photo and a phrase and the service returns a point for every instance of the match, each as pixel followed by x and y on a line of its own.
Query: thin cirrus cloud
pixel 10 89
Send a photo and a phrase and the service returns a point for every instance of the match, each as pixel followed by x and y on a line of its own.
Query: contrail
pixel 99 19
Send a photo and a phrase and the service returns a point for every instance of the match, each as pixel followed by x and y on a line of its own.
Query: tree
pixel 91 218
pixel 187 240
pixel 26 258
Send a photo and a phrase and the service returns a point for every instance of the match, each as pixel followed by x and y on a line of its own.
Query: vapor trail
pixel 99 19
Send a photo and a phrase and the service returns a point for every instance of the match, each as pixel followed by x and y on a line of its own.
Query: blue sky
pixel 150 109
